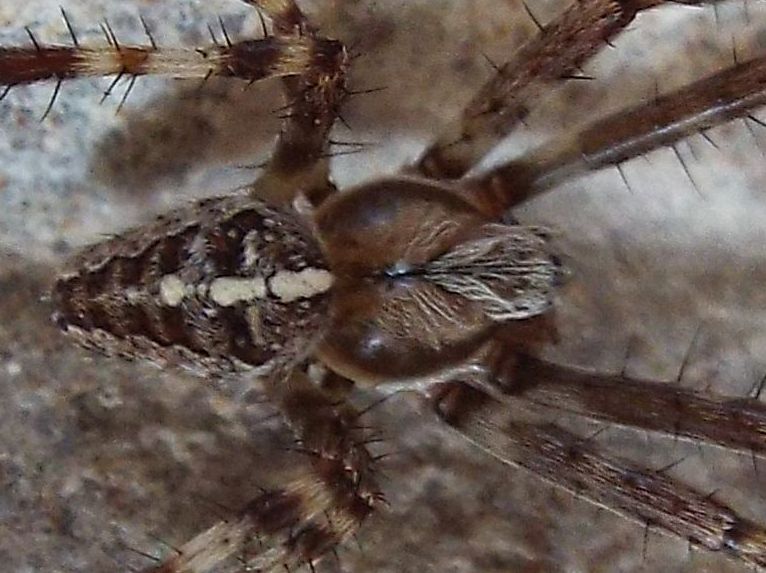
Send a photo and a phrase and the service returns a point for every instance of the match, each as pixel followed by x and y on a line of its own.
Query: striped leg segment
pixel 313 69
pixel 503 102
pixel 718 98
pixel 569 462
pixel 250 60
pixel 321 505
pixel 279 530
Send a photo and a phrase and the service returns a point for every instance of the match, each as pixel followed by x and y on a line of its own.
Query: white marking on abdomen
pixel 228 291
pixel 172 290
pixel 288 286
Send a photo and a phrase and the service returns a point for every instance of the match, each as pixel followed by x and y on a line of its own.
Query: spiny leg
pixel 504 101
pixel 300 163
pixel 321 505
pixel 729 94
pixel 733 423
pixel 250 60
pixel 568 461
pixel 314 70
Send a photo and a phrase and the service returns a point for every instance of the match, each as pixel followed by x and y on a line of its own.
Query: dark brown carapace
pixel 412 281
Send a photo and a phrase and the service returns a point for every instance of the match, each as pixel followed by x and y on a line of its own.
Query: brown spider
pixel 292 537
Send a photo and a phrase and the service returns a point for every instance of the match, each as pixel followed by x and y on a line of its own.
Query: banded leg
pixel 503 102
pixel 313 68
pixel 733 423
pixel 320 506
pixel 301 163
pixel 250 60
pixel 569 462
pixel 718 98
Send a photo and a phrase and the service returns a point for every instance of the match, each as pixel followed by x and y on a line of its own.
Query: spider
pixel 404 564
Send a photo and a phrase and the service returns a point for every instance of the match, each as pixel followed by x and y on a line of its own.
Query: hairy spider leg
pixel 555 55
pixel 300 163
pixel 663 121
pixel 733 423
pixel 323 502
pixel 313 69
pixel 569 461
pixel 251 60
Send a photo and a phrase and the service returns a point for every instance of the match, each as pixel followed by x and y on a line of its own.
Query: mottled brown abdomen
pixel 227 284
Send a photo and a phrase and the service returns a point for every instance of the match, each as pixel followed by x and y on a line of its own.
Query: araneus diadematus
pixel 171 293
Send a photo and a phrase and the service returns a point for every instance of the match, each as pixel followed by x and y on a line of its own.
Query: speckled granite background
pixel 98 455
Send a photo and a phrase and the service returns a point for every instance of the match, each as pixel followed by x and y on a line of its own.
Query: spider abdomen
pixel 230 284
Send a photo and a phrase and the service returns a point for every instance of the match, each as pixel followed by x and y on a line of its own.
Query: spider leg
pixel 505 100
pixel 733 423
pixel 568 461
pixel 729 94
pixel 300 163
pixel 321 504
pixel 313 69
pixel 250 60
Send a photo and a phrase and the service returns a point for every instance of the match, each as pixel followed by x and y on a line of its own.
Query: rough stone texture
pixel 98 455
